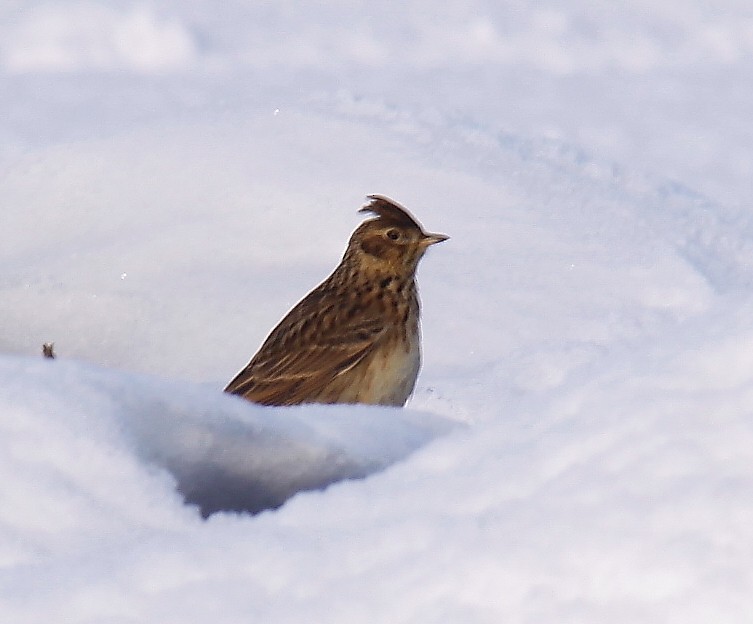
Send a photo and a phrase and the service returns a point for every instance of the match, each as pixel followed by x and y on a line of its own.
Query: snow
pixel 174 177
pixel 221 455
pixel 87 36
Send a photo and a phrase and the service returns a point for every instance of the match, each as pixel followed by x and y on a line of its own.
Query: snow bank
pixel 622 494
pixel 223 453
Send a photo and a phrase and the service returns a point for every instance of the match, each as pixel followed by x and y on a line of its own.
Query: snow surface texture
pixel 580 444
pixel 221 454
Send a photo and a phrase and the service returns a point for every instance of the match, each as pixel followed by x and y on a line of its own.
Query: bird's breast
pixel 390 374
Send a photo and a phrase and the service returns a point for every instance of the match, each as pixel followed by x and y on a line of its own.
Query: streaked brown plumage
pixel 355 338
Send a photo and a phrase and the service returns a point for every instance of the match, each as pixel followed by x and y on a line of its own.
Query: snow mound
pixel 222 452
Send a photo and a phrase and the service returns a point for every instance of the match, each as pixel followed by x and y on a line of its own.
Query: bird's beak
pixel 433 239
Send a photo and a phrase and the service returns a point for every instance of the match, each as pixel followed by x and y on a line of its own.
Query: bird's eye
pixel 393 234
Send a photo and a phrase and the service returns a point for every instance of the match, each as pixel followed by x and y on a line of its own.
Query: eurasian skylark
pixel 355 338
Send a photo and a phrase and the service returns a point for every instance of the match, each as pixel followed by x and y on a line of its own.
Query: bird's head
pixel 392 241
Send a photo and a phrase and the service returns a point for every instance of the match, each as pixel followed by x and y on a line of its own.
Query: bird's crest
pixel 390 211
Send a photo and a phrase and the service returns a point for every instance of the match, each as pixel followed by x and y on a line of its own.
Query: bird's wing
pixel 304 353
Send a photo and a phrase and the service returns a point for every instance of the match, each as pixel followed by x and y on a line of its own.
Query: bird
pixel 356 337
